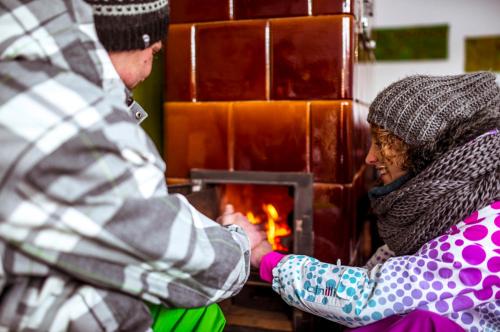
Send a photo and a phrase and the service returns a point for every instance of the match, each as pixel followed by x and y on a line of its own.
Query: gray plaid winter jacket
pixel 87 229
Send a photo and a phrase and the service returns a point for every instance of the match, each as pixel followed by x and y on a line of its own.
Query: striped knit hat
pixel 125 25
pixel 419 108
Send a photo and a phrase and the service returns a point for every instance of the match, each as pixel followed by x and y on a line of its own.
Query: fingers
pixel 261 236
pixel 267 246
pixel 255 234
pixel 232 219
pixel 228 209
pixel 225 218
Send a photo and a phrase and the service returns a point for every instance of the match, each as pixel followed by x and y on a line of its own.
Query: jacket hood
pixel 58 33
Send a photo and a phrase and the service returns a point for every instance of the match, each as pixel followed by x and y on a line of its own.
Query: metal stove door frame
pixel 303 196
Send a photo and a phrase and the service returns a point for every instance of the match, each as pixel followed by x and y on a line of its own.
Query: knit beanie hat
pixel 125 25
pixel 419 108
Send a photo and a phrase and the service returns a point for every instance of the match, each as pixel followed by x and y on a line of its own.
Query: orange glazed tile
pixel 331 141
pixel 196 137
pixel 355 197
pixel 246 9
pixel 332 223
pixel 361 137
pixel 178 86
pixel 360 202
pixel 312 58
pixel 182 11
pixel 321 7
pixel 271 136
pixel 231 61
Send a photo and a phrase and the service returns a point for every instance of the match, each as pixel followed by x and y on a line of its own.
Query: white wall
pixel 465 18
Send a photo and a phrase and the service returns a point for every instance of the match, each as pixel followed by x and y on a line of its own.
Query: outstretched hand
pixel 229 217
pixel 260 251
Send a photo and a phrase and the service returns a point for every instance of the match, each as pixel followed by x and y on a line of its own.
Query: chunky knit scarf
pixel 462 181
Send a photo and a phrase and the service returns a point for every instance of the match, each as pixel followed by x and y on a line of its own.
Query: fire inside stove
pixel 269 207
pixel 274 226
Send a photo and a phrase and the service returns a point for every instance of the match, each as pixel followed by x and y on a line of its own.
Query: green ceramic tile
pixel 411 43
pixel 482 53
pixel 150 95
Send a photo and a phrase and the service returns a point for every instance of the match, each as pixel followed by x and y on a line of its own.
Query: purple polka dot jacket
pixel 456 275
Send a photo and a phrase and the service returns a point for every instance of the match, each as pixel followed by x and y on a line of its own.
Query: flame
pixel 275 227
pixel 252 218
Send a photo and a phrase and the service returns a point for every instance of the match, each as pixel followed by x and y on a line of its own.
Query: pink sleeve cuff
pixel 268 263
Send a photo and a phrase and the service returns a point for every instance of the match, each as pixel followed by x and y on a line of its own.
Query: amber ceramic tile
pixel 332 222
pixel 331 141
pixel 361 134
pixel 322 7
pixel 182 11
pixel 178 85
pixel 271 136
pixel 355 203
pixel 231 61
pixel 359 181
pixel 196 137
pixel 247 9
pixel 312 57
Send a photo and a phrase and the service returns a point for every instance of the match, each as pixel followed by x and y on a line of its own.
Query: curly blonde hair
pixel 392 149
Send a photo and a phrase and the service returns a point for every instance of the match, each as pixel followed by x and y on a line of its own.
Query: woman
pixel 436 147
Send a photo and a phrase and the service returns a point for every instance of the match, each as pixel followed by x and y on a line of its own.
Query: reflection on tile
pixel 182 11
pixel 312 58
pixel 271 136
pixel 247 9
pixel 331 141
pixel 178 63
pixel 332 222
pixel 231 61
pixel 196 137
pixel 321 7
pixel 177 181
pixel 361 136
pixel 355 188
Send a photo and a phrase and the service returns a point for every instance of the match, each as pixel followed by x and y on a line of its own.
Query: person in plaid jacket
pixel 88 231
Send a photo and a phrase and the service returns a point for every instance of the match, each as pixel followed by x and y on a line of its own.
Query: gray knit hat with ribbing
pixel 419 108
pixel 126 25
